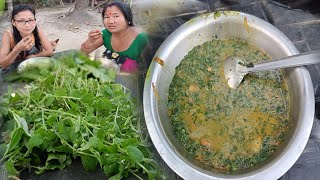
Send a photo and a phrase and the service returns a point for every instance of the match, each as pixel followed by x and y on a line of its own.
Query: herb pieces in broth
pixel 74 111
pixel 227 129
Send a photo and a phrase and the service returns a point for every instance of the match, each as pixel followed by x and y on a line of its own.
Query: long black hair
pixel 124 8
pixel 16 34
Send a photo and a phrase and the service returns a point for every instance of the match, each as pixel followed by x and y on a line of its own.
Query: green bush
pixel 2 5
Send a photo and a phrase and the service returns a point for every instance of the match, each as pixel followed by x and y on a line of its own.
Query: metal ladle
pixel 235 69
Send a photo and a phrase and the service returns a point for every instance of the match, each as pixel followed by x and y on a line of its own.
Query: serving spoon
pixel 235 69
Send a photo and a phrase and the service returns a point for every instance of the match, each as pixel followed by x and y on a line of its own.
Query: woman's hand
pixel 54 44
pixel 93 42
pixel 25 44
pixel 94 35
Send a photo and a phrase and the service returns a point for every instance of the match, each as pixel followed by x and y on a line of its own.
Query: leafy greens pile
pixel 75 110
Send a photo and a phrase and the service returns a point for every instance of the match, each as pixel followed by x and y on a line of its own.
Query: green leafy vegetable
pixel 74 111
pixel 11 170
pixel 134 153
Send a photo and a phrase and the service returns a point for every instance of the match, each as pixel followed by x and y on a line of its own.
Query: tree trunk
pixel 81 4
pixel 80 14
pixel 10 7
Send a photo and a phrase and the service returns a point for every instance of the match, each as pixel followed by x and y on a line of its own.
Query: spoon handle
pixel 312 57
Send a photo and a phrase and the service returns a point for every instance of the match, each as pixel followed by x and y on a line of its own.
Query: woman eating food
pixel 25 40
pixel 123 41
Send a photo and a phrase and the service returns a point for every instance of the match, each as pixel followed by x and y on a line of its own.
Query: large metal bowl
pixel 228 25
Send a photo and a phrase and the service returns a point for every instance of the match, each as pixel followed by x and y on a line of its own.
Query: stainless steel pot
pixel 224 25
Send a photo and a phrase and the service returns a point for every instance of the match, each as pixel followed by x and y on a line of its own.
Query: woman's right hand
pixel 93 42
pixel 25 44
pixel 94 35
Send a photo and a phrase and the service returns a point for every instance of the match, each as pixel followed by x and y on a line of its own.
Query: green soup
pixel 224 128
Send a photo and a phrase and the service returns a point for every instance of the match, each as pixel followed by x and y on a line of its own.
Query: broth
pixel 224 128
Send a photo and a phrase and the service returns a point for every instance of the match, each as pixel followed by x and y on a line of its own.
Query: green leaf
pixel 75 93
pixel 88 98
pixel 131 141
pixel 93 142
pixel 60 92
pixel 36 94
pixel 67 133
pixel 11 170
pixel 73 105
pixel 73 135
pixel 109 158
pixel 108 90
pixel 102 147
pixel 152 174
pixel 99 73
pixel 117 88
pixel 90 111
pixel 62 149
pixel 77 124
pixel 55 161
pixel 55 156
pixel 145 151
pixel 217 14
pixel 99 106
pixel 107 103
pixel 110 169
pixel 116 177
pixel 52 120
pixel 134 153
pixel 88 162
pixel 112 148
pixel 113 128
pixel 34 141
pixel 63 131
pixel 86 146
pixel 22 123
pixel 62 165
pixel 15 138
pixel 49 101
pixel 101 133
pixel 47 136
pixel 48 81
